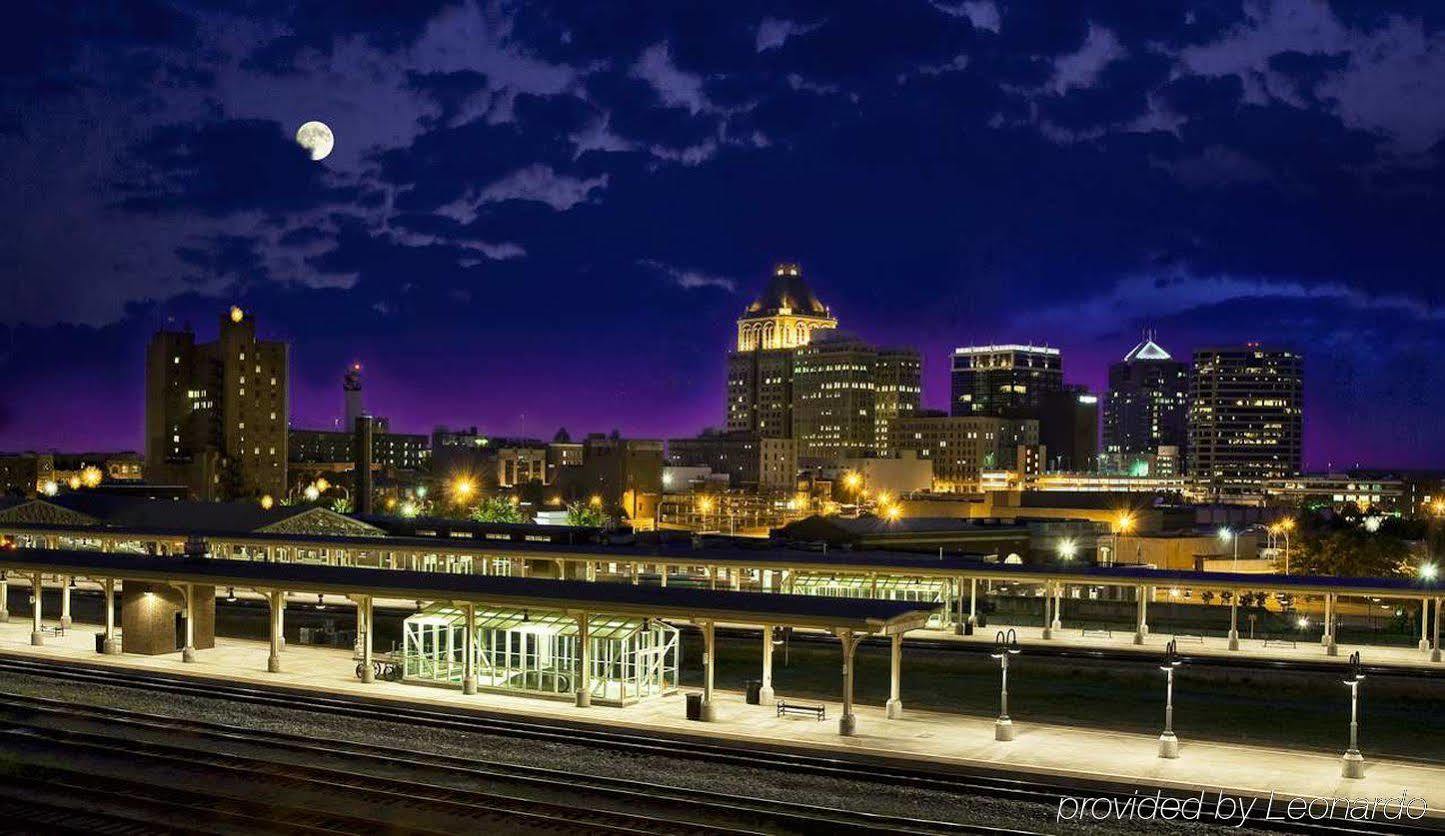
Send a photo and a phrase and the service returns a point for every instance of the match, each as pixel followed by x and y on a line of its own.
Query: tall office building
pixel 760 370
pixel 898 391
pixel 834 399
pixel 1004 381
pixel 1146 408
pixel 216 413
pixel 1246 418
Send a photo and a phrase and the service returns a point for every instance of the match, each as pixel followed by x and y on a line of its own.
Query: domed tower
pixel 785 315
pixel 760 370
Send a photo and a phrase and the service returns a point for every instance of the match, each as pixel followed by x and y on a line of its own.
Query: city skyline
pixel 522 204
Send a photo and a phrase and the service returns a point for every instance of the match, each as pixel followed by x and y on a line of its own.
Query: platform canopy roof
pixel 679 603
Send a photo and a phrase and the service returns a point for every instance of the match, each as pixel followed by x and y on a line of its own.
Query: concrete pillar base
pixel 111 647
pixel 273 664
pixel 66 621
pixel 188 654
pixel 1424 645
pixel 368 673
pixel 1048 632
pixel 1003 729
pixel 1331 649
pixel 1144 628
pixel 708 713
pixel 1352 765
pixel 766 695
pixel 959 629
pixel 1057 625
pixel 847 725
pixel 584 699
pixel 1435 655
pixel 1233 640
pixel 1138 638
pixel 894 708
pixel 37 638
pixel 469 685
pixel 1168 745
pixel 4 616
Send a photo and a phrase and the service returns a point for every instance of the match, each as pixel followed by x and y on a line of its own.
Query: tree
pixel 341 505
pixel 585 515
pixel 1352 553
pixel 496 509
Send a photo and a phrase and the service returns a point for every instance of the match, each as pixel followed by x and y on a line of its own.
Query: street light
pixel 1168 743
pixel 1068 549
pixel 893 513
pixel 1227 535
pixel 1428 571
pixel 1004 646
pixel 1123 524
pixel 311 493
pixel 462 489
pixel 1352 765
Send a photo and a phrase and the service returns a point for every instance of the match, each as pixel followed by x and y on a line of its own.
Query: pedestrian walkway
pixel 929 737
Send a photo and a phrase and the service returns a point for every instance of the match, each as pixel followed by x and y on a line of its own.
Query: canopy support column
pixel 364 616
pixel 5 598
pixel 1331 649
pixel 1424 623
pixel 37 638
pixel 278 603
pixel 1234 620
pixel 1048 632
pixel 1142 630
pixel 766 695
pixel 110 646
pixel 65 620
pixel 1058 607
pixel 848 724
pixel 188 653
pixel 584 661
pixel 895 677
pixel 1435 652
pixel 469 643
pixel 708 662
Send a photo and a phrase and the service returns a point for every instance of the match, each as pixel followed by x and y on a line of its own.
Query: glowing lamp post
pixel 1227 536
pixel 1352 765
pixel 1168 743
pixel 1004 646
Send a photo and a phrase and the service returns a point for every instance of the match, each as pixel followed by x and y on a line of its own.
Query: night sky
pixel 543 214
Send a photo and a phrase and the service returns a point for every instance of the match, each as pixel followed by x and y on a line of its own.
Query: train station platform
pixel 1306 648
pixel 1129 760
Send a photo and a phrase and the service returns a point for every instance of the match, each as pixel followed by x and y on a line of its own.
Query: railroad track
pixel 671 809
pixel 996 785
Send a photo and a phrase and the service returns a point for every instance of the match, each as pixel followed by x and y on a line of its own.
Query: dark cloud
pixel 225 167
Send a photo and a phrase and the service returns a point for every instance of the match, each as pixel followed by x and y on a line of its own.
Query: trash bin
pixel 99 642
pixel 694 706
pixel 982 620
pixel 754 689
pixel 968 628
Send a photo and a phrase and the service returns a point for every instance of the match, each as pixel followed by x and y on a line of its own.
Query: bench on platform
pixel 1276 641
pixel 1097 630
pixel 1189 637
pixel 785 707
pixel 47 630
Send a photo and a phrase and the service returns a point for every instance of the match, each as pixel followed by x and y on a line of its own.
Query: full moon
pixel 316 138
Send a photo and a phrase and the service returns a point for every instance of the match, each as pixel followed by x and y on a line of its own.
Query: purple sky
pixel 549 214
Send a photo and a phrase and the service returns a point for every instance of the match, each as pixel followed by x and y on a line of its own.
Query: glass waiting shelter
pixel 536 652
pixel 922 590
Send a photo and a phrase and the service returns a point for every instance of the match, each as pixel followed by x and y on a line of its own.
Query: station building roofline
pixel 761 556
pixel 683 603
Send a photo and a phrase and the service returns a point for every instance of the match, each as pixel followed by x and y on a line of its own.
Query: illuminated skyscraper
pixel 760 370
pixel 1004 381
pixel 1246 417
pixel 1146 407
